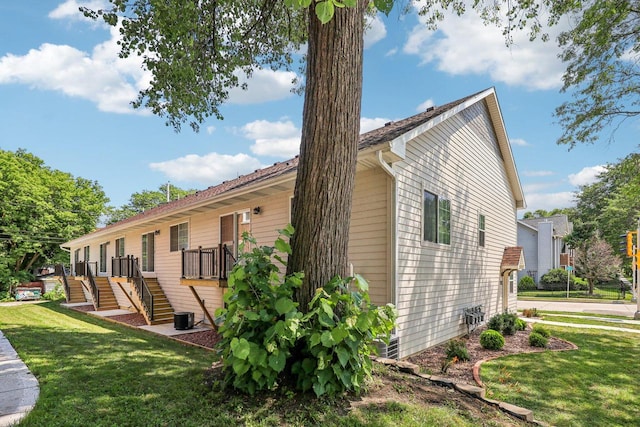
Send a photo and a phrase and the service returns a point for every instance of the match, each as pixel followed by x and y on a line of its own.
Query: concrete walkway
pixel 19 389
pixel 613 308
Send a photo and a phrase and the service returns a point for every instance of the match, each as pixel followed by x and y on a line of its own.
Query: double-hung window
pixel 436 219
pixel 179 237
pixel 481 230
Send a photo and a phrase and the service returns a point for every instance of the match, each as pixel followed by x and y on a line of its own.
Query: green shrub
pixel 55 294
pixel 541 330
pixel 505 323
pixel 527 284
pixel 457 349
pixel 265 339
pixel 341 331
pixel 261 323
pixel 521 325
pixel 491 340
pixel 556 279
pixel 496 322
pixel 537 340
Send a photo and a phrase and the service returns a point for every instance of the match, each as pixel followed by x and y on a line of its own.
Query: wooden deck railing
pixel 207 263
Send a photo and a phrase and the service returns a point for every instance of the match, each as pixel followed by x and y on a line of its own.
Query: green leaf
pixel 338 334
pixel 384 6
pixel 240 367
pixel 283 246
pixel 361 283
pixel 241 349
pixel 325 11
pixel 277 361
pixel 327 339
pixel 284 305
pixel 343 356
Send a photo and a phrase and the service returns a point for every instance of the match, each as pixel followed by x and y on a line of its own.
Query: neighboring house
pixel 433 227
pixel 543 242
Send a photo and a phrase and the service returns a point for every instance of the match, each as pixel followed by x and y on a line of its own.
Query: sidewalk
pixel 19 389
pixel 613 308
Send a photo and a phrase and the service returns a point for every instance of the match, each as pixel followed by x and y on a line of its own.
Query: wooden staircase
pixel 76 294
pixel 162 310
pixel 108 299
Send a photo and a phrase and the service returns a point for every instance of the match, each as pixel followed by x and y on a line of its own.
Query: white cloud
pixel 519 142
pixel 103 78
pixel 211 130
pixel 209 169
pixel 279 139
pixel 426 104
pixel 70 9
pixel 587 175
pixel 263 86
pixel 391 52
pixel 549 201
pixel 465 46
pixel 375 31
pixel 367 124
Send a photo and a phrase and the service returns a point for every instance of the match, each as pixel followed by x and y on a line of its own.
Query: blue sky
pixel 64 96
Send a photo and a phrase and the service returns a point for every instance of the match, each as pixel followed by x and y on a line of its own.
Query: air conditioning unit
pixel 390 351
pixel 183 320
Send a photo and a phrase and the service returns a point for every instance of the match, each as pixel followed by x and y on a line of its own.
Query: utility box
pixel 183 320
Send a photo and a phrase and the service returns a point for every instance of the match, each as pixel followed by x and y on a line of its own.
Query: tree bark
pixel 328 150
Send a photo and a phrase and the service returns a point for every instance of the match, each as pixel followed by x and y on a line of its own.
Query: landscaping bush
pixel 457 349
pixel 55 294
pixel 496 322
pixel 537 340
pixel 556 279
pixel 265 339
pixel 505 323
pixel 526 284
pixel 540 329
pixel 491 340
pixel 521 325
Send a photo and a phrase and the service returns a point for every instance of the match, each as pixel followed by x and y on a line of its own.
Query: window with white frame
pixel 436 219
pixel 481 230
pixel 179 237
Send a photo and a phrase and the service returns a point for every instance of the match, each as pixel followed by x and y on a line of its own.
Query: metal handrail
pixel 228 261
pixel 67 290
pixel 122 266
pixel 95 291
pixel 142 289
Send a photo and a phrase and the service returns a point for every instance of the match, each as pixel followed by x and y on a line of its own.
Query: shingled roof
pixel 384 134
pixel 512 259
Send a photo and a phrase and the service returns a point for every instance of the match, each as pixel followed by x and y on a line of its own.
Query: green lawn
pixel 96 373
pixel 596 385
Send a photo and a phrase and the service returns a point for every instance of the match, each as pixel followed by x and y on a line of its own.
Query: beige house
pixel 433 229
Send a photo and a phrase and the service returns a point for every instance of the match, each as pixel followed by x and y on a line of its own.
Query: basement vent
pixel 390 351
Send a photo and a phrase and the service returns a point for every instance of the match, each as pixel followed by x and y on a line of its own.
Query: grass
pixel 595 385
pixel 599 295
pixel 589 320
pixel 98 373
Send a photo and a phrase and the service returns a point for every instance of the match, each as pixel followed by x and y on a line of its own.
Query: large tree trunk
pixel 328 150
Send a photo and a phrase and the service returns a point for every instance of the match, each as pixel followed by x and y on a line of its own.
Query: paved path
pixel 614 308
pixel 19 389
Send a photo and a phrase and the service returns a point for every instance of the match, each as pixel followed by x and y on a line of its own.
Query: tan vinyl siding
pixel 369 248
pixel 458 160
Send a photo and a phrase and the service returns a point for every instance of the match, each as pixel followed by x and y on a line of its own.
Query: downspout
pixel 394 227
